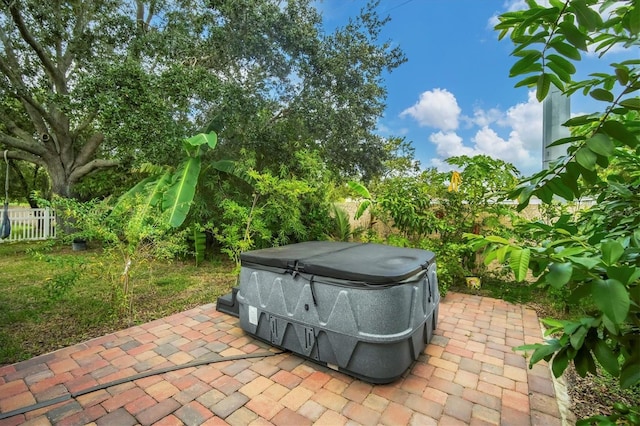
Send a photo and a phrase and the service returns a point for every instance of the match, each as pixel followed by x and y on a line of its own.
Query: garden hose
pixel 196 363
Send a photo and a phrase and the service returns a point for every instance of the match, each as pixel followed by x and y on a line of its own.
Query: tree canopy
pixel 92 84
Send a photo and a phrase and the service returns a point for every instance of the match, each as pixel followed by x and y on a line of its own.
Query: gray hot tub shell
pixel 364 309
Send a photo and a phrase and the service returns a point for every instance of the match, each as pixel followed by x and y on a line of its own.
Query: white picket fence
pixel 31 224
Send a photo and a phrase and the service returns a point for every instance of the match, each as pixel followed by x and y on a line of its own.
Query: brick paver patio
pixel 467 375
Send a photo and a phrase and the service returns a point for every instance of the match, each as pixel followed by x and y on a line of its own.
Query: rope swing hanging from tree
pixel 5 226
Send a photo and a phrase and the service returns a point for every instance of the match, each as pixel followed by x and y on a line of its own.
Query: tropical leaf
pixel 342 229
pixel 526 65
pixel 364 205
pixel 587 17
pixel 176 201
pixel 497 239
pixel 573 35
pixel 519 263
pixel 231 167
pixel 359 189
pixel 630 374
pixel 544 351
pixel 612 298
pixel 132 193
pixel 542 86
pixel 581 120
pixel 577 338
pixel 631 103
pixel 633 20
pixel 619 131
pixel 559 71
pixel 601 95
pixel 199 243
pixel 622 74
pixel 567 66
pixel 606 358
pixel 559 274
pixel 586 158
pixel 611 251
pixel 528 81
pixel 565 49
pixel 559 363
pixel 601 144
pixel 584 362
pixel 558 187
pixel 145 195
pixel 625 274
pixel 210 139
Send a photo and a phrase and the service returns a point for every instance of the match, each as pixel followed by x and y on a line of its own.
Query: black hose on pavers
pixel 138 376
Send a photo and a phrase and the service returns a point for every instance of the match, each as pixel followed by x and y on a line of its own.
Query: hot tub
pixel 367 310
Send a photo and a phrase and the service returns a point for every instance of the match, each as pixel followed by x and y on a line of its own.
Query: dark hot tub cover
pixel 374 264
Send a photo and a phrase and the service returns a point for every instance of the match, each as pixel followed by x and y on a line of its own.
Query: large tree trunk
pixel 60 184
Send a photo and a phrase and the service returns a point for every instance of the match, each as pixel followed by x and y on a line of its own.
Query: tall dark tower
pixel 556 109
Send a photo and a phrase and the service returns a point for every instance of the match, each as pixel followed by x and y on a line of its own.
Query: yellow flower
pixel 456 180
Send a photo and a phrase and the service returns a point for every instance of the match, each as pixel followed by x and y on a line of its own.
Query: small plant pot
pixel 79 245
pixel 474 283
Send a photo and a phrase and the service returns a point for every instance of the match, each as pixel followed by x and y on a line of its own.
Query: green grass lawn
pixel 52 297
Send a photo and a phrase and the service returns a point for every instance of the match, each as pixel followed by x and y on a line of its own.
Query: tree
pixel 90 84
pixel 48 50
pixel 594 257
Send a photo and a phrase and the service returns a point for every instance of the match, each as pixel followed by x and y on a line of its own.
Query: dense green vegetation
pixel 590 259
pixel 593 257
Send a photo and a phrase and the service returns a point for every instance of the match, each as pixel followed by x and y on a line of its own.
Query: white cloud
pixel 449 144
pixel 522 147
pixel 511 150
pixel 482 117
pixel 526 121
pixel 436 108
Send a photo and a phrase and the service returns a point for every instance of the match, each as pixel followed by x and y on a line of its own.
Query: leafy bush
pixel 430 215
pixel 595 256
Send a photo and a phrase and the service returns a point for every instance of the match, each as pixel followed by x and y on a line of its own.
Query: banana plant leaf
pixel 231 167
pixel 178 197
pixel 210 139
pixel 149 190
pixel 193 144
pixel 200 244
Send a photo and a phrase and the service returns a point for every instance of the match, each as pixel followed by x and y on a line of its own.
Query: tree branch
pixel 53 71
pixel 14 128
pixel 88 150
pixel 23 145
pixel 34 109
pixel 21 155
pixel 92 166
pixel 82 19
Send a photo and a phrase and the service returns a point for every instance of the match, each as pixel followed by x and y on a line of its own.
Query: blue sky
pixel 454 96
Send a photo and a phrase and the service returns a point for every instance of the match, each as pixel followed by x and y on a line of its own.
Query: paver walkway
pixel 467 375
